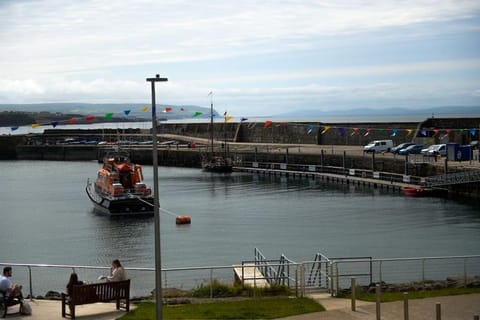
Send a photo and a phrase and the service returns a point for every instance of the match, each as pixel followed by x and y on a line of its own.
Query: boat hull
pixel 414 191
pixel 125 206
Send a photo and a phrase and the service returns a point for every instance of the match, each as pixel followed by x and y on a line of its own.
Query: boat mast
pixel 211 121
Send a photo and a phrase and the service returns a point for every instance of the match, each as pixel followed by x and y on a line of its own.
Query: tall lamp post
pixel 156 203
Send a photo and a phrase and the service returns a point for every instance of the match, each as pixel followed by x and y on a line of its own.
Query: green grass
pixel 262 308
pixel 397 296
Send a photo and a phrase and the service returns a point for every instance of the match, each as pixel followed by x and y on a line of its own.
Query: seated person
pixel 73 281
pixel 11 289
pixel 117 272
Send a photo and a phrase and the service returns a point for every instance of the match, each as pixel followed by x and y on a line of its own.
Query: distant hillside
pixel 436 112
pixel 100 109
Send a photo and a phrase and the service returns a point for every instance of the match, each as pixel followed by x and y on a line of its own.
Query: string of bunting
pixel 355 131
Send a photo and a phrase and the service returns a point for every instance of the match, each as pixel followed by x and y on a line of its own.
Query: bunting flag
pixel 409 132
pixel 310 128
pixel 90 118
pixel 126 112
pixel 109 115
pixel 394 133
pixel 243 119
pixel 72 120
pixel 35 125
pixel 145 109
pixel 355 131
pixel 423 132
pixel 14 128
pixel 472 131
pixel 368 132
pixel 197 114
pixel 267 124
pixel 167 109
pixel 342 132
pixel 436 131
pixel 325 129
pixel 210 93
pixel 54 124
pixel 182 109
pixel 228 118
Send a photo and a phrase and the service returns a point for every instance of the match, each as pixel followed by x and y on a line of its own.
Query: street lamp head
pixel 157 78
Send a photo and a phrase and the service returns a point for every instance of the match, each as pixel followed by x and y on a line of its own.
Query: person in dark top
pixel 73 281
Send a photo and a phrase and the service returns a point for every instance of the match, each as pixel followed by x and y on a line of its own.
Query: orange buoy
pixel 183 220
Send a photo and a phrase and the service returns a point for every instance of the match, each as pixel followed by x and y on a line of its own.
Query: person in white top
pixel 117 272
pixel 6 285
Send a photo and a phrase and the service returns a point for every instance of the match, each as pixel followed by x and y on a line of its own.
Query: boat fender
pixel 183 220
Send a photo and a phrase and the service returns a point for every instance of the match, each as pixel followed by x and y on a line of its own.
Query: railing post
pixel 353 286
pixel 405 305
pixel 423 270
pixel 30 282
pixel 465 271
pixel 211 283
pixel 337 282
pixel 380 272
pixel 332 276
pixel 438 311
pixel 378 300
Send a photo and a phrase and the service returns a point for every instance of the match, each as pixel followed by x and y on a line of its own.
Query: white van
pixel 379 146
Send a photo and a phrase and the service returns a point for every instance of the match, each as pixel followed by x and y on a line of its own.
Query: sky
pixel 257 57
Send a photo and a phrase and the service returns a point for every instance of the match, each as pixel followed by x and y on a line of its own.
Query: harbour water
pixel 46 217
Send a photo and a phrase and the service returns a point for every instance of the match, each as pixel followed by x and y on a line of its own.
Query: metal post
pixel 378 300
pixel 438 311
pixel 405 171
pixel 30 282
pixel 405 305
pixel 156 203
pixel 353 285
pixel 344 162
pixel 373 161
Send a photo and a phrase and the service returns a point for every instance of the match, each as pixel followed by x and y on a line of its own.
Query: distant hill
pixel 100 109
pixel 436 112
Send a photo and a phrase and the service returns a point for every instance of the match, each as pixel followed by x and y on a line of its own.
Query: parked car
pixel 379 146
pixel 425 151
pixel 401 146
pixel 415 149
pixel 435 150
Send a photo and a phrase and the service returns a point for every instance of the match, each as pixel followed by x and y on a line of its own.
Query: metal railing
pixel 320 274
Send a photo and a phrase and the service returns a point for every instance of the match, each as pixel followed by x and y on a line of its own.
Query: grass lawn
pixel 397 296
pixel 262 308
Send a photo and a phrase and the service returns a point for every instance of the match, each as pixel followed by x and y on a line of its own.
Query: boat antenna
pixel 211 120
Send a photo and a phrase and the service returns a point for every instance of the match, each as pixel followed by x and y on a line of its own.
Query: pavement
pixel 461 307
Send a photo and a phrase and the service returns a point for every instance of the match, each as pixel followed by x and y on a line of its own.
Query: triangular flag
pixel 145 109
pixel 35 125
pixel 368 132
pixel 310 128
pixel 182 109
pixel 341 131
pixel 167 109
pixel 409 132
pixel 72 120
pixel 325 129
pixel 196 114
pixel 267 124
pixel 89 118
pixel 243 119
pixel 126 112
pixel 54 123
pixel 423 132
pixel 472 131
pixel 109 115
pixel 355 131
pixel 436 131
pixel 228 118
pixel 394 133
pixel 14 128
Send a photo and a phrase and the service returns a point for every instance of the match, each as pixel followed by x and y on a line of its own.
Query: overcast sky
pixel 258 57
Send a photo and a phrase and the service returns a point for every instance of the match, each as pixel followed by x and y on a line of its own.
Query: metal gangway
pixel 470 176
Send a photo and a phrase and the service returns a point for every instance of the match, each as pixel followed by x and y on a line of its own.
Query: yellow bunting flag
pixel 325 129
pixel 228 118
pixel 145 109
pixel 35 125
pixel 409 132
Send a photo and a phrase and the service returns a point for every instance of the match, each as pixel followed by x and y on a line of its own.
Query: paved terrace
pixel 462 307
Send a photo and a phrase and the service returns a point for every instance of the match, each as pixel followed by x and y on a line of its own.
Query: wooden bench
pixel 6 301
pixel 97 292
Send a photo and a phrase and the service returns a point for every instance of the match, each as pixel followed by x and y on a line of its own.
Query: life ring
pixel 183 220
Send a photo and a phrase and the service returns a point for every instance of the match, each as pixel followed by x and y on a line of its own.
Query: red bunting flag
pixel 167 109
pixel 368 132
pixel 72 120
pixel 89 118
pixel 267 124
